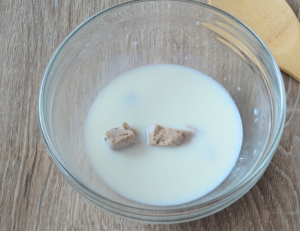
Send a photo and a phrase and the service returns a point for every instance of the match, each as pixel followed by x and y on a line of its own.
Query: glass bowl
pixel 139 33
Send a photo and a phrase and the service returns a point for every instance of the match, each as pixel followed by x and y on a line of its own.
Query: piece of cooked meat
pixel 120 137
pixel 158 135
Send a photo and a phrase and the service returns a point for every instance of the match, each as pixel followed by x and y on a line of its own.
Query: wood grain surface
pixel 33 194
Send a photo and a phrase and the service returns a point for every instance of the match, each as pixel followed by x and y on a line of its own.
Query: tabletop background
pixel 33 194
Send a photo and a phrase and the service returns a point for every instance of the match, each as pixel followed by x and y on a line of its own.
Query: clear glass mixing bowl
pixel 139 33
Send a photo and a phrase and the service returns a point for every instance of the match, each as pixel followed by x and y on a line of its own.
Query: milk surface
pixel 174 97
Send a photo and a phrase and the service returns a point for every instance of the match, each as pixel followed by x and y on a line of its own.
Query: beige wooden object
pixel 276 24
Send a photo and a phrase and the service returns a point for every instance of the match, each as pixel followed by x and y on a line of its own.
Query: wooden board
pixel 33 194
pixel 275 23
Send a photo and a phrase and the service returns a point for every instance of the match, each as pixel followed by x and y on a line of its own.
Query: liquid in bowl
pixel 173 96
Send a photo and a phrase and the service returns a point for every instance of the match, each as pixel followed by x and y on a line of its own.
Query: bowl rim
pixel 92 195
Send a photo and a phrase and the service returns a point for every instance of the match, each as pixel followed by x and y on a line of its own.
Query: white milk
pixel 174 97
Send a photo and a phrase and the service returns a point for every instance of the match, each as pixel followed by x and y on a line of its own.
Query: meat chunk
pixel 120 137
pixel 158 135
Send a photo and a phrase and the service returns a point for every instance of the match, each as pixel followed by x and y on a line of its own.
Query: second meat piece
pixel 158 135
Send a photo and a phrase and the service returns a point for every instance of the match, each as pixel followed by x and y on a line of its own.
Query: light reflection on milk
pixel 172 96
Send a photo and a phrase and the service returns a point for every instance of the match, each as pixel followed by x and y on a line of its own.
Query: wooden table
pixel 33 194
